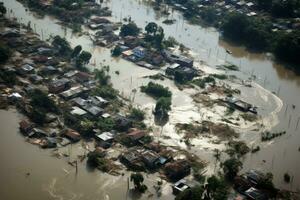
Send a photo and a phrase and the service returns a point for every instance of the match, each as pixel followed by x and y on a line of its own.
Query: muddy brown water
pixel 48 179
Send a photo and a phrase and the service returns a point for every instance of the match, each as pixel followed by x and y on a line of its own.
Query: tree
pixel 116 51
pixel 4 53
pixel 85 57
pixel 102 77
pixel 217 188
pixel 76 51
pixel 38 115
pixel 129 29
pixel 2 9
pixel 62 45
pixel 40 100
pixel 137 114
pixel 194 193
pixel 163 105
pixel 138 179
pixel 231 167
pixel 288 47
pixel 156 90
pixel 151 28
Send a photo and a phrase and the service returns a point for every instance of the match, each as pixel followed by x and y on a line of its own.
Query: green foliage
pixel 129 29
pixel 40 100
pixel 9 77
pixel 170 42
pixel 138 179
pixel 202 82
pixel 76 51
pixel 102 77
pixel 106 91
pixel 86 127
pixel 116 51
pixel 38 115
pixel 194 193
pixel 288 47
pixel 163 105
pixel 106 124
pixel 85 57
pixel 2 9
pixel 4 53
pixel 137 114
pixel 231 167
pixel 156 90
pixel 62 45
pixel 217 188
pixel 237 147
pixel 154 35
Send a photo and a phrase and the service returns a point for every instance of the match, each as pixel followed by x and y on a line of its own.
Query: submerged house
pixel 139 52
pixel 59 85
pixel 181 72
pixel 72 135
pixel 177 170
pixel 179 59
pixel 240 105
pixel 26 127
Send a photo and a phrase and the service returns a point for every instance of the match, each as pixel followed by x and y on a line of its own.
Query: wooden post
pixel 297 123
pixel 290 120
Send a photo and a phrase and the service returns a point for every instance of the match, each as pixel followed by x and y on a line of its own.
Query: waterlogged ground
pixel 52 178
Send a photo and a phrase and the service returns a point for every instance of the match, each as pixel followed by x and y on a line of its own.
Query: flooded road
pixel 48 179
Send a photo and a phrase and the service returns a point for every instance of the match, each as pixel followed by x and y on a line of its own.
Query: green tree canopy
pixel 129 29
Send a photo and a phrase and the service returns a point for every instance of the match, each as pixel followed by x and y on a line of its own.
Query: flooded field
pixel 48 178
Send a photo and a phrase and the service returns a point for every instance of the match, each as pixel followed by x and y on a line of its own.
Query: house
pixel 131 159
pixel 180 186
pixel 131 41
pixel 95 111
pixel 181 60
pixel 48 70
pixel 139 52
pixel 59 85
pixel 10 33
pixel 181 72
pixel 98 101
pixel 240 105
pixel 146 65
pixel 34 78
pixel 82 77
pixel 105 139
pixel 25 69
pixel 100 20
pixel 151 159
pixel 254 176
pixel 177 170
pixel 255 194
pixel 122 123
pixel 73 92
pixel 26 127
pixel 136 135
pixel 14 97
pixel 78 111
pixel 45 51
pixel 37 133
pixel 72 135
pixel 48 142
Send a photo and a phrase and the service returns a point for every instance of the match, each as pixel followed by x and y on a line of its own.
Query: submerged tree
pixel 138 179
pixel 130 29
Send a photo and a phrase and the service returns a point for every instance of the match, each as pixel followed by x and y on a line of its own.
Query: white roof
pixel 16 95
pixel 105 136
pixel 78 111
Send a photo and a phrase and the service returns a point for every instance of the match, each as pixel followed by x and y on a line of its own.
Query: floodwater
pixel 49 180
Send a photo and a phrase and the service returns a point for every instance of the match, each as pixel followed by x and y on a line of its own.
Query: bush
pixel 156 90
pixel 116 51
pixel 163 105
pixel 4 53
pixel 137 114
pixel 40 100
pixel 129 29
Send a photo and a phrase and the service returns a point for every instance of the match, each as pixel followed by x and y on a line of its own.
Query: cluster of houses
pixel 249 8
pixel 248 185
pixel 43 69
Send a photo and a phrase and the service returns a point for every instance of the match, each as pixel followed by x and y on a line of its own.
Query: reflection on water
pixel 279 156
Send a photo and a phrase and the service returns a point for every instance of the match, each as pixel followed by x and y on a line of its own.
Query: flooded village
pixel 96 104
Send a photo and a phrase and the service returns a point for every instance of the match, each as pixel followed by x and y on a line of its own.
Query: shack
pixel 177 170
